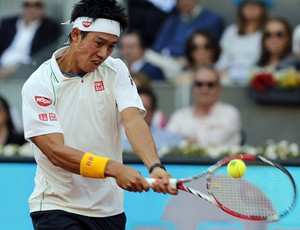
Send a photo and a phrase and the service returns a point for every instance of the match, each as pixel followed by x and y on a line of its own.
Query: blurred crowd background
pixel 192 58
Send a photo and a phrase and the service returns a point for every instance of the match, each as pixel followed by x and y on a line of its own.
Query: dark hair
pixel 241 21
pixel 9 121
pixel 149 92
pixel 138 35
pixel 107 9
pixel 210 39
pixel 143 78
pixel 265 54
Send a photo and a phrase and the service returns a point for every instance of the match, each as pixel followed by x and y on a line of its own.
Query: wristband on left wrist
pixel 93 166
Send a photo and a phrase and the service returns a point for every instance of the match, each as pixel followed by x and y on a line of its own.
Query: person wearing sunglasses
pixel 240 41
pixel 23 36
pixel 201 49
pixel 276 51
pixel 208 121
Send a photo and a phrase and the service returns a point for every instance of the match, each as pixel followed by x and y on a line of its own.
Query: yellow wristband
pixel 93 166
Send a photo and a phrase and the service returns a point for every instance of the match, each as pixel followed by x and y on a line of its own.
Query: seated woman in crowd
pixel 241 42
pixel 8 133
pixel 276 50
pixel 201 49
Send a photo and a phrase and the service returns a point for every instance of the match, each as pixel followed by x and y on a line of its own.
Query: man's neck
pixel 193 14
pixel 28 22
pixel 202 110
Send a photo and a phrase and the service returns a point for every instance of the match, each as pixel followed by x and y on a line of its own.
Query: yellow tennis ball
pixel 236 168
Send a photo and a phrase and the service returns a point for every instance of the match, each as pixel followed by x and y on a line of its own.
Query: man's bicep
pixel 130 114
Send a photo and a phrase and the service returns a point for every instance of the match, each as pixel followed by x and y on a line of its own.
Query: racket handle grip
pixel 172 182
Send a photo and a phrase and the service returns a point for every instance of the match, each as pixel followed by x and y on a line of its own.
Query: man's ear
pixel 75 34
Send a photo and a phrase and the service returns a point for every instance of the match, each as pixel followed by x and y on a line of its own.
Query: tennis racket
pixel 266 191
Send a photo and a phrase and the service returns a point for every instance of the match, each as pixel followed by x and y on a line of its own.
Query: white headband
pixel 98 25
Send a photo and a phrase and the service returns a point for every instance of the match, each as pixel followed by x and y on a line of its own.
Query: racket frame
pixel 179 184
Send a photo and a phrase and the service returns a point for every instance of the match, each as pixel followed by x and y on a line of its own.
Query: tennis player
pixel 72 105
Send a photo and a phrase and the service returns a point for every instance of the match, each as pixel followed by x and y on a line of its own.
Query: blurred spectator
pixel 241 42
pixel 22 36
pixel 190 15
pixel 277 45
pixel 168 48
pixel 296 41
pixel 141 80
pixel 152 14
pixel 201 49
pixel 8 133
pixel 208 122
pixel 162 137
pixel 132 50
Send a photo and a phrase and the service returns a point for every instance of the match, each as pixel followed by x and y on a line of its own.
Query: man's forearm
pixel 142 142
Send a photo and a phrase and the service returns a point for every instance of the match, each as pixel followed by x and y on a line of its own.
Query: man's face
pixel 32 9
pixel 186 6
pixel 206 88
pixel 92 50
pixel 131 49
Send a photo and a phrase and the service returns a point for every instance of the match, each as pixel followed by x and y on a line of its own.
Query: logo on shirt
pixel 43 117
pixel 86 24
pixel 43 101
pixel 47 117
pixel 52 117
pixel 99 86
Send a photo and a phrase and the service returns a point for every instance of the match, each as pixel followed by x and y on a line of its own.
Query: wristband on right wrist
pixel 93 166
pixel 156 165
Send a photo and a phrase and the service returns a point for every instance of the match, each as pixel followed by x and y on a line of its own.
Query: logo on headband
pixel 86 24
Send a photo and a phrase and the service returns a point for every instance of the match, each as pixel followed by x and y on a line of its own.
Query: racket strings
pixel 263 191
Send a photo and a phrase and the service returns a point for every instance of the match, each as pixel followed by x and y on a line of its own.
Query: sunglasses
pixel 201 47
pixel 210 85
pixel 277 34
pixel 32 5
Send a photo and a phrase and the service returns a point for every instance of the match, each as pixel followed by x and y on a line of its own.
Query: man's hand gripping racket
pixel 266 191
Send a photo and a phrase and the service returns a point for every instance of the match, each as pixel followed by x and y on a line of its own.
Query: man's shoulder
pixel 153 71
pixel 172 18
pixel 148 65
pixel 49 21
pixel 115 64
pixel 182 112
pixel 211 14
pixel 8 20
pixel 226 107
pixel 41 73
